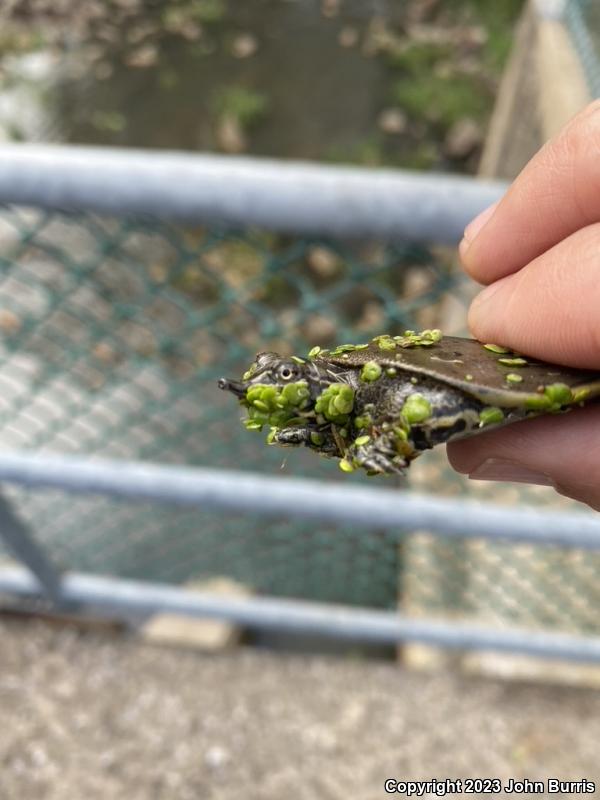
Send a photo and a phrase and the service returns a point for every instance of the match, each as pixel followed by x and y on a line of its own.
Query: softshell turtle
pixel 377 406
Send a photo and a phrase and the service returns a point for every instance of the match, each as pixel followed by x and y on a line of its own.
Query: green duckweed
pixel 553 398
pixel 371 371
pixel 491 415
pixel 335 403
pixel 362 421
pixel 496 348
pixel 271 405
pixel 416 408
pixel 513 362
pixel 559 393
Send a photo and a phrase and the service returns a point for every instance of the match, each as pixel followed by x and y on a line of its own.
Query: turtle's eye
pixel 286 373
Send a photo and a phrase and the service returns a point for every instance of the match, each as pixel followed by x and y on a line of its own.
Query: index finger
pixel 556 194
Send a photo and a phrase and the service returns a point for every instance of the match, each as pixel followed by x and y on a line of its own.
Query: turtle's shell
pixel 451 359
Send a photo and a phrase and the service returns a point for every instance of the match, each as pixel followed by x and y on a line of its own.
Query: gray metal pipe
pixel 295 197
pixel 127 598
pixel 24 546
pixel 290 497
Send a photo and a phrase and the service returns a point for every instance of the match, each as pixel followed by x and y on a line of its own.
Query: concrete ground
pixel 91 716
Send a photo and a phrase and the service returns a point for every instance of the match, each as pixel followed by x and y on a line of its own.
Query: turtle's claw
pixel 381 465
pixel 377 457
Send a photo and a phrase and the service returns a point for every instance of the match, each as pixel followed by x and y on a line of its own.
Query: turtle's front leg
pixel 309 436
pixel 377 454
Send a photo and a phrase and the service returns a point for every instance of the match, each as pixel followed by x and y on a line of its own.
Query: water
pixel 284 78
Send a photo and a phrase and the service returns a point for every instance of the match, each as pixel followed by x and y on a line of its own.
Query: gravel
pixel 85 715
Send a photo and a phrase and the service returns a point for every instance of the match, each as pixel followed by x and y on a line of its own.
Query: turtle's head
pixel 268 369
pixel 276 390
pixel 287 392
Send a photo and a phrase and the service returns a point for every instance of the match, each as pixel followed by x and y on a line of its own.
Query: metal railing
pixel 294 197
pixel 107 394
pixel 230 491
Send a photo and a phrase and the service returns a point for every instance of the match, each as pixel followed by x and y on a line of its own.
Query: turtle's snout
pixel 238 389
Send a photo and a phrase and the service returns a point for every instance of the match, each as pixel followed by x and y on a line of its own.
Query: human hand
pixel 538 249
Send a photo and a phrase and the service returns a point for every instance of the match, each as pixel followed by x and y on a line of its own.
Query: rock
pixel 373 317
pixel 322 261
pixel 463 138
pixel 108 33
pixel 319 330
pixel 330 8
pixel 104 352
pixel 379 38
pixel 468 65
pixel 142 57
pixel 103 70
pixel 192 31
pixel 417 281
pixel 432 34
pixel 9 322
pixel 230 136
pixel 473 36
pixel 94 9
pixel 177 21
pixel 130 6
pixel 392 121
pixel 244 45
pixel 421 10
pixel 138 33
pixel 93 53
pixel 348 36
pixel 177 630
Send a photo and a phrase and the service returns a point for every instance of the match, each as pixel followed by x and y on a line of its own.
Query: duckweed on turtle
pixel 416 408
pixel 377 405
pixel 371 371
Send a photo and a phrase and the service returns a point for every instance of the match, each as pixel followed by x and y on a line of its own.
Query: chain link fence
pixel 114 331
pixel 582 18
pixel 114 335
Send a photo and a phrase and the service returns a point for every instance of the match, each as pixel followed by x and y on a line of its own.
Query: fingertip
pixel 487 311
pixel 476 225
pixel 475 317
pixel 549 309
pixel 469 264
pixel 471 232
